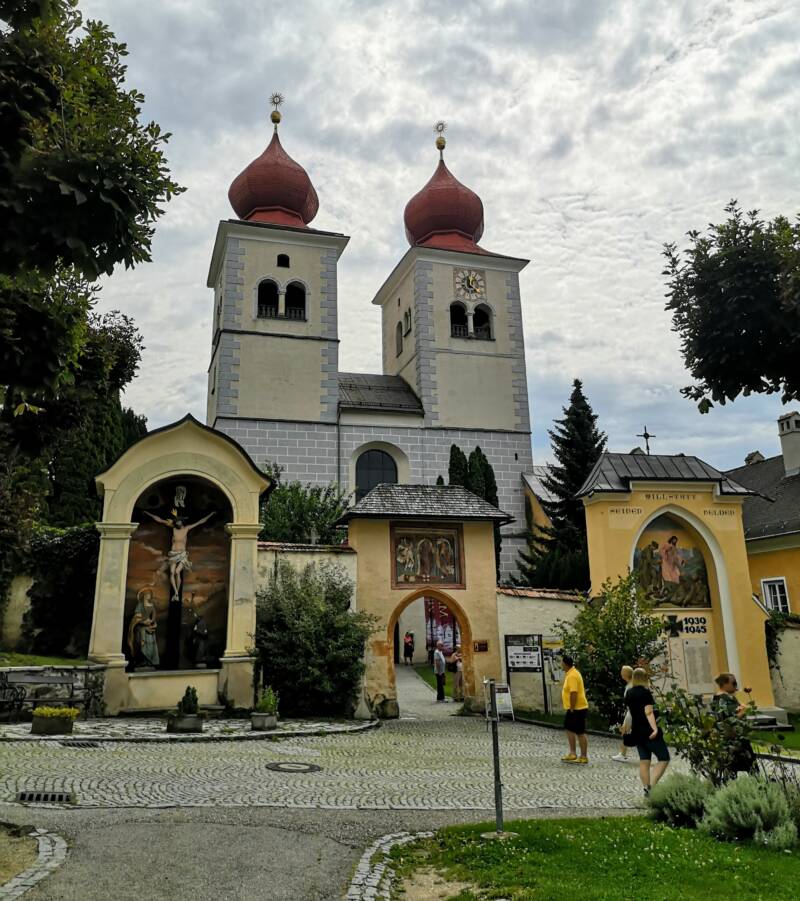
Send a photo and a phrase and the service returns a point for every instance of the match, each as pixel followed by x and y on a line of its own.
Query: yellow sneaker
pixel 582 760
pixel 569 758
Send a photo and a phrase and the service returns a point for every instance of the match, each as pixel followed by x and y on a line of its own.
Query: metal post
pixel 498 785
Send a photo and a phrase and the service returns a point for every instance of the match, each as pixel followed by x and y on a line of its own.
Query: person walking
pixel 408 648
pixel 645 731
pixel 573 697
pixel 439 669
pixel 458 678
pixel 626 674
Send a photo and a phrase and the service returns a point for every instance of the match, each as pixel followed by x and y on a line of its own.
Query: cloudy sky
pixel 594 132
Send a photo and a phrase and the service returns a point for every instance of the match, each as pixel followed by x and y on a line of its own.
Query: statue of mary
pixel 142 640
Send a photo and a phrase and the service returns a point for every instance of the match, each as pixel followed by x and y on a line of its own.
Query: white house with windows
pixel 452 343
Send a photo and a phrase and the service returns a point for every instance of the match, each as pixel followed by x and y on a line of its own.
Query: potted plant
pixel 53 720
pixel 186 717
pixel 265 713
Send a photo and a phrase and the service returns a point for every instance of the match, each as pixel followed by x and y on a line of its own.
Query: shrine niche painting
pixel 427 555
pixel 670 566
pixel 176 600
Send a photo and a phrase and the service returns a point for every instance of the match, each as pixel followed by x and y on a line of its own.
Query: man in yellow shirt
pixel 573 697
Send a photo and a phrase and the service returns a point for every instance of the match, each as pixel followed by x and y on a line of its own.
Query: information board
pixel 524 653
pixel 503 699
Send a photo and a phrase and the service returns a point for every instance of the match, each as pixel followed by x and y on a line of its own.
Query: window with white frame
pixel 775 595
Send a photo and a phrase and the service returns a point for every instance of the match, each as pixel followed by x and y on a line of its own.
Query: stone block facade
pixel 320 453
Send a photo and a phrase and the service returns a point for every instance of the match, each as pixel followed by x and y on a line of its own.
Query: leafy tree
pixel 82 180
pixel 458 468
pixel 557 556
pixel 734 294
pixel 440 480
pixel 303 513
pixel 309 643
pixel 613 630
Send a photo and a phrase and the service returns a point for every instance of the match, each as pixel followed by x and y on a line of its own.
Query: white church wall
pixel 301 555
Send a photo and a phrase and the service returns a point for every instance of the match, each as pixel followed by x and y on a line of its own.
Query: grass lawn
pixel 18 852
pixel 593 720
pixel 611 859
pixel 11 658
pixel 425 672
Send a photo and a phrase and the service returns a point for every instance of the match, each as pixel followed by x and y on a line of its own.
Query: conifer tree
pixel 457 470
pixel 476 473
pixel 557 556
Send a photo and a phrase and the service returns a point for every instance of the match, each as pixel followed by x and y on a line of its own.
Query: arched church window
pixel 295 301
pixel 374 467
pixel 267 300
pixel 482 322
pixel 458 321
pixel 398 338
pixel 283 260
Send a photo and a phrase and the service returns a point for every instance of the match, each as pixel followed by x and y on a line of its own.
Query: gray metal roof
pixel 424 502
pixel 615 472
pixel 775 510
pixel 365 391
pixel 534 481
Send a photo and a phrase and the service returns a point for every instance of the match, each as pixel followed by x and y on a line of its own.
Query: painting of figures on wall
pixel 670 567
pixel 427 556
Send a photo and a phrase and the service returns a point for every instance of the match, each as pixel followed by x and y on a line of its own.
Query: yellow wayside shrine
pixel 677 523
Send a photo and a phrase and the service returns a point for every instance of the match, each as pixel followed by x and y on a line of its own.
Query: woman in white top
pixel 626 674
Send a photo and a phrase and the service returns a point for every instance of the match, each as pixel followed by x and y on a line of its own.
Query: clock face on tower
pixel 469 284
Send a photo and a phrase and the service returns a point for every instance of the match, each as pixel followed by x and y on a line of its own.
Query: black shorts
pixel 653 746
pixel 575 721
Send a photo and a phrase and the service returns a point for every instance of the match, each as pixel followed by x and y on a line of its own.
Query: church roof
pixel 365 391
pixel 775 507
pixel 615 472
pixel 424 502
pixel 534 481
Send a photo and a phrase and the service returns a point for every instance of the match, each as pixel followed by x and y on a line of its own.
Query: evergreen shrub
pixel 310 645
pixel 750 808
pixel 679 800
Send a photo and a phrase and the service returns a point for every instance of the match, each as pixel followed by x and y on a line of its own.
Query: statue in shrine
pixel 178 556
pixel 200 643
pixel 142 632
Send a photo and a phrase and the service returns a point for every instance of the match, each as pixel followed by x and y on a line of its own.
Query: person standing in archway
pixel 457 660
pixel 439 669
pixel 408 648
pixel 573 697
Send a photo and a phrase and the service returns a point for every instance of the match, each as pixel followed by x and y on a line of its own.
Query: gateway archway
pixel 442 618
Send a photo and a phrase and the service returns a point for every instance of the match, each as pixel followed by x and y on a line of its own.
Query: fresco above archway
pixel 670 565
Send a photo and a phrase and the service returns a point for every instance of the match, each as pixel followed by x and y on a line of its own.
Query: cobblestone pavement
pixel 404 765
pixel 113 729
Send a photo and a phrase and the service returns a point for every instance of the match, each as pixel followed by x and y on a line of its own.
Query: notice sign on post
pixel 524 653
pixel 503 698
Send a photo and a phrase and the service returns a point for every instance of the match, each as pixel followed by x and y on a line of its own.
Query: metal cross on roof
pixel 647 436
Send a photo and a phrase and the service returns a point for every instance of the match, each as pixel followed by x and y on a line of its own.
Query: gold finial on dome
pixel 439 128
pixel 276 100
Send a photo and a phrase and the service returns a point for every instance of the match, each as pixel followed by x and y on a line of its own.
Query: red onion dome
pixel 445 214
pixel 274 188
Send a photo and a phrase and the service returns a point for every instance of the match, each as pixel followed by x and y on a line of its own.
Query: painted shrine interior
pixel 423 554
pixel 190 633
pixel 670 566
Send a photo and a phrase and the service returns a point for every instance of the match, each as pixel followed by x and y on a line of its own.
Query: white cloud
pixel 594 132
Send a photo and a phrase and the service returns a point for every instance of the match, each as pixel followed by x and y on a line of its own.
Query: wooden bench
pixel 15 688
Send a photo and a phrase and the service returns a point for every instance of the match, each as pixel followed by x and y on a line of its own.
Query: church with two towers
pixel 452 343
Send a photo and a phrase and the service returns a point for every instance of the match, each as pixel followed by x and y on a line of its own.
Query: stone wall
pixel 91 675
pixel 14 612
pixel 786 676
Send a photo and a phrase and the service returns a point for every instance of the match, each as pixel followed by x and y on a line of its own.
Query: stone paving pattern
pixel 113 729
pixel 428 760
pixel 52 853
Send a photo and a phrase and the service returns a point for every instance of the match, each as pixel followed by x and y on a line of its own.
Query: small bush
pixel 749 808
pixel 679 800
pixel 267 701
pixel 57 712
pixel 781 838
pixel 188 704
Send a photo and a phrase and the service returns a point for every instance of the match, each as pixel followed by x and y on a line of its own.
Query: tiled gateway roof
pixel 777 510
pixel 424 502
pixel 615 472
pixel 364 391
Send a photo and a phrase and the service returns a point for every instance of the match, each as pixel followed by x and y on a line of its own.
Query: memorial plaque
pixel 697 661
pixel 480 647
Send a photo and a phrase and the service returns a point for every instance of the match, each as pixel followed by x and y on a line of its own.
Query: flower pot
pixel 51 725
pixel 263 722
pixel 185 722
